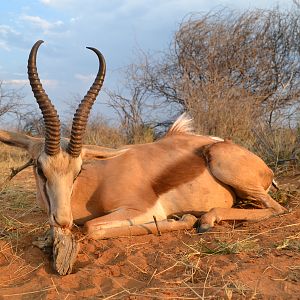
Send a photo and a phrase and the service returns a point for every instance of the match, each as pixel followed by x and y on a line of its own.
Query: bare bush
pixel 277 145
pixel 100 132
pixel 10 101
pixel 130 111
pixel 235 73
pixel 135 110
pixel 32 123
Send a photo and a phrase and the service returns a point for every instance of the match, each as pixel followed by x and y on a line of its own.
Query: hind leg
pixel 245 172
pixel 260 195
pixel 221 214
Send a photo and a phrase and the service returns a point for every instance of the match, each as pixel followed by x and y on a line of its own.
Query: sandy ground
pixel 234 261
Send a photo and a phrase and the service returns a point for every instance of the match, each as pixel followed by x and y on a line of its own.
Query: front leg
pixel 125 222
pixel 118 218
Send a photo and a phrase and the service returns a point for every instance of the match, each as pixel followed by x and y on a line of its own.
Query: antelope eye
pixel 40 172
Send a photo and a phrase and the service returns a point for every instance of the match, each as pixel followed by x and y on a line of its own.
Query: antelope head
pixel 58 162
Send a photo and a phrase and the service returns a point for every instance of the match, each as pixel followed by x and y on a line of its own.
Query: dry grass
pixel 17 197
pixel 98 132
pixel 291 242
pixel 196 263
pixel 20 219
pixel 10 156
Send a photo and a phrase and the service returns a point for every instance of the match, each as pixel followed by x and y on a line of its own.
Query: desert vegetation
pixel 236 74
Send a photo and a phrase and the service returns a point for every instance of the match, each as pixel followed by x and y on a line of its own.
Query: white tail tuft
pixel 182 125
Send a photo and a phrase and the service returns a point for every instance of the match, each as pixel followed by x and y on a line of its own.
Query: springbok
pixel 117 192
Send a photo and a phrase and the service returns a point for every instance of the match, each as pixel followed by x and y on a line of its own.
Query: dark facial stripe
pixel 44 179
pixel 47 198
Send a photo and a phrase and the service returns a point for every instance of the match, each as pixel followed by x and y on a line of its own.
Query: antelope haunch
pixel 117 192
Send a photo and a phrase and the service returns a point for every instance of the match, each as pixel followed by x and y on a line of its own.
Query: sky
pixel 116 27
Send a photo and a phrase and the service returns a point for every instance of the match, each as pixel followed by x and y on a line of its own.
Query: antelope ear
pixel 97 152
pixel 21 141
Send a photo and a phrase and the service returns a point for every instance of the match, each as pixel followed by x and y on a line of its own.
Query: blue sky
pixel 117 28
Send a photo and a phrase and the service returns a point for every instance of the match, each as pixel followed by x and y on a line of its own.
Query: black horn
pixel 50 116
pixel 83 110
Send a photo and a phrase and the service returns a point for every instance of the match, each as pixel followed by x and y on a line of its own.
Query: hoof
pixel 189 218
pixel 203 228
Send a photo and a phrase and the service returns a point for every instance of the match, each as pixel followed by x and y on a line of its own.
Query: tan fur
pixel 124 188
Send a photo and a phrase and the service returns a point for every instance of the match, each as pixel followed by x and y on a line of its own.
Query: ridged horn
pixel 82 113
pixel 50 116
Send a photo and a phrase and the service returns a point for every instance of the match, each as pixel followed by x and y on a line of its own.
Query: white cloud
pixel 18 74
pixel 38 22
pixel 4 45
pixel 46 82
pixel 60 3
pixel 5 30
pixel 6 33
pixel 16 81
pixel 74 19
pixel 85 78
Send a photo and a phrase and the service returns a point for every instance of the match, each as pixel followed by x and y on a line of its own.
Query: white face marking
pixel 55 178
